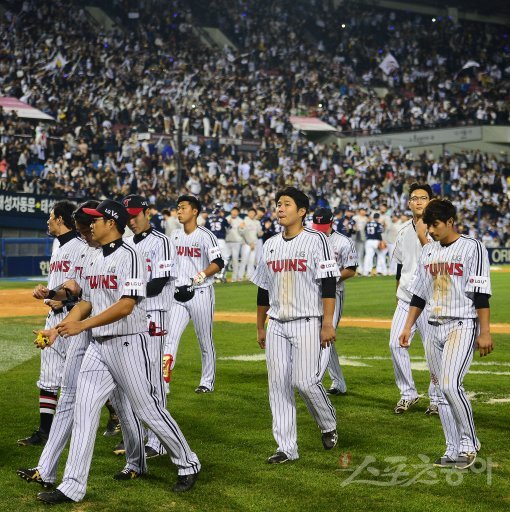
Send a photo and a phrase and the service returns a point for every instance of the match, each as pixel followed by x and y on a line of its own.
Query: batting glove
pixel 199 279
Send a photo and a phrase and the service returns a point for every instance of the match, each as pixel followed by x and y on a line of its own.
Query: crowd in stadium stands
pixel 292 58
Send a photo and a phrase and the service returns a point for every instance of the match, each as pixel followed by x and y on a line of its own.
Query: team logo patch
pixel 328 265
pixel 478 280
pixel 134 284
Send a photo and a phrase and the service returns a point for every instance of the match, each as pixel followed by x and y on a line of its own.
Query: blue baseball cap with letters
pixel 110 209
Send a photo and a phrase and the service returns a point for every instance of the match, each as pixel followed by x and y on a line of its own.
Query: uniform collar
pixel 111 247
pixel 142 236
pixel 63 239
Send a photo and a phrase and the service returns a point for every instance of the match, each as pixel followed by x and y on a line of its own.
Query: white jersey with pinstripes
pixel 117 270
pixel 64 259
pixel 447 277
pixel 291 271
pixel 159 255
pixel 194 253
pixel 406 253
pixel 345 254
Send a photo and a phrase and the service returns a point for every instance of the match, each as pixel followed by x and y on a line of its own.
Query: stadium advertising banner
pixel 25 210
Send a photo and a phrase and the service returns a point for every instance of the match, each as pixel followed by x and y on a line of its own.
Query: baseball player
pixel 347 260
pixel 297 280
pixel 250 232
pixel 114 290
pixel 63 260
pixel 235 241
pixel 45 473
pixel 452 281
pixel 159 255
pixel 373 233
pixel 198 259
pixel 408 245
pixel 217 224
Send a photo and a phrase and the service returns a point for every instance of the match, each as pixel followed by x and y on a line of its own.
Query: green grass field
pixel 380 463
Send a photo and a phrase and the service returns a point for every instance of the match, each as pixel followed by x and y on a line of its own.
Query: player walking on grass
pixel 297 280
pixel 410 240
pixel 452 281
pixel 198 259
pixel 117 356
pixel 347 260
pixel 63 260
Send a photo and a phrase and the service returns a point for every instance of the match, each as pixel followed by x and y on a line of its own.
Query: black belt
pixel 102 339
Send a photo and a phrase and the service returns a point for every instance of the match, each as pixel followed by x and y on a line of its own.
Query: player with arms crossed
pixel 410 240
pixel 347 260
pixel 296 277
pixel 453 281
pixel 114 289
pixel 198 259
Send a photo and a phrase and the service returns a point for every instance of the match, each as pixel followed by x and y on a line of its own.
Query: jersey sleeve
pixel 132 276
pixel 164 260
pixel 418 284
pixel 479 279
pixel 397 252
pixel 348 256
pixel 325 263
pixel 261 275
pixel 212 247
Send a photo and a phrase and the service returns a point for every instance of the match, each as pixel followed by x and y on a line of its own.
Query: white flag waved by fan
pixel 471 64
pixel 389 65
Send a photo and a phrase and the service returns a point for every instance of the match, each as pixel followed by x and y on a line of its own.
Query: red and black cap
pixel 135 204
pixel 109 209
pixel 322 219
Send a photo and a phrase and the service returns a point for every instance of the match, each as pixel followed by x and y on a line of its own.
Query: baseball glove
pixel 184 293
pixel 42 341
pixel 382 245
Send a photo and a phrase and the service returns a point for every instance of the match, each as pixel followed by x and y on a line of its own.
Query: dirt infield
pixel 15 303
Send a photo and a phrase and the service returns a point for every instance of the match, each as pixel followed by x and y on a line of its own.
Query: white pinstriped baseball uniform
pixel 407 252
pixel 447 277
pixel 159 254
pixel 194 253
pixel 345 256
pixel 291 272
pixel 62 263
pixel 76 347
pixel 119 356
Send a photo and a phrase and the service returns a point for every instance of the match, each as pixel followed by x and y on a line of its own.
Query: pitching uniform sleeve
pixel 164 260
pixel 478 279
pixel 261 275
pixel 397 252
pixel 132 275
pixel 212 247
pixel 324 256
pixel 420 285
pixel 348 256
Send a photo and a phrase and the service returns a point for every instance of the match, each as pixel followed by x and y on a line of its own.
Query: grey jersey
pixel 158 253
pixel 194 253
pixel 291 271
pixel 447 277
pixel 345 253
pixel 115 271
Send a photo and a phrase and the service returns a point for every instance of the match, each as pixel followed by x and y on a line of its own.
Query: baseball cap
pixel 109 210
pixel 322 219
pixel 135 204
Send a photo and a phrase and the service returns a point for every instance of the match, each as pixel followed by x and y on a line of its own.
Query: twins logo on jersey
pixel 108 282
pixel 287 265
pixel 443 268
pixel 60 266
pixel 192 252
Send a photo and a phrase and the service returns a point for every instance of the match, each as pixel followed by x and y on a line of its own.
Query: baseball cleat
pixel 37 438
pixel 335 392
pixel 151 453
pixel 444 462
pixel 203 389
pixel 127 474
pixel 465 460
pixel 403 405
pixel 329 439
pixel 119 449
pixel 432 410
pixel 54 497
pixel 278 458
pixel 185 482
pixel 32 475
pixel 112 427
